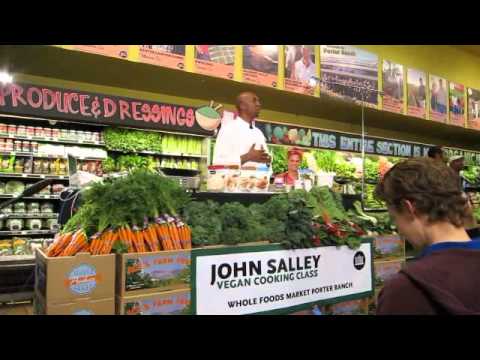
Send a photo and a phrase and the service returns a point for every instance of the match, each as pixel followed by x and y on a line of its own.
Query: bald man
pixel 239 142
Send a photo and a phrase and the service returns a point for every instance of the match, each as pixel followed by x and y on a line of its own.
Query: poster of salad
pixel 300 66
pixel 215 60
pixel 118 51
pixel 438 98
pixel 172 56
pixel 260 64
pixel 392 86
pixel 457 104
pixel 473 109
pixel 416 93
pixel 350 73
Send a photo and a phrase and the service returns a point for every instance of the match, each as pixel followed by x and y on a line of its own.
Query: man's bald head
pixel 248 105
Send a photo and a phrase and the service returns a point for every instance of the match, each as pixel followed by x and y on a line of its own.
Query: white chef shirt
pixel 234 139
pixel 304 73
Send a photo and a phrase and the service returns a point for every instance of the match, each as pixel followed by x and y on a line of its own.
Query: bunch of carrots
pixel 162 235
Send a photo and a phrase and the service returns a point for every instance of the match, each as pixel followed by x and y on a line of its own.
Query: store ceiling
pixel 473 49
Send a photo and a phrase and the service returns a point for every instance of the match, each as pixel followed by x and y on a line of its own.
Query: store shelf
pixel 37 197
pixel 16 258
pixel 27 232
pixel 31 154
pixel 29 216
pixel 53 140
pixel 159 153
pixel 34 176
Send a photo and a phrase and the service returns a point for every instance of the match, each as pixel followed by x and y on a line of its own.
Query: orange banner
pixel 172 56
pixel 215 60
pixel 118 51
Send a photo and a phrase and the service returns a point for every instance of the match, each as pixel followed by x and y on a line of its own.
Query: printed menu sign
pixel 474 109
pixel 215 60
pixel 457 104
pixel 118 51
pixel 172 56
pixel 300 66
pixel 438 99
pixel 416 93
pixel 392 87
pixel 260 64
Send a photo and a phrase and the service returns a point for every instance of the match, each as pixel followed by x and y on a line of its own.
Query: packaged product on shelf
pixel 2 145
pixel 72 135
pixel 33 224
pixel 46 167
pixel 28 166
pixel 21 130
pixel 12 130
pixel 20 246
pixel 46 208
pixel 216 178
pixel 17 146
pixel 14 224
pixel 33 207
pixel 34 146
pixel 47 132
pixel 26 146
pixel 6 248
pixel 63 167
pixel 39 132
pixel 262 178
pixel 37 166
pixel 19 165
pixel 50 224
pixel 3 129
pixel 30 131
pixel 14 187
pixel 55 133
pixel 57 188
pixel 19 207
pixel 64 134
pixel 47 190
pixel 9 145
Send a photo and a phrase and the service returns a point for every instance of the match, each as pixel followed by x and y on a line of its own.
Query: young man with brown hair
pixel 429 209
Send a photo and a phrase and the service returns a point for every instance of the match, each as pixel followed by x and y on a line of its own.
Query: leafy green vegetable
pixel 471 174
pixel 326 160
pixel 279 162
pixel 371 170
pixel 132 140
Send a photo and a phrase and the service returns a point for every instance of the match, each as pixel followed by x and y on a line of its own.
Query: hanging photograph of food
pixel 438 98
pixel 215 60
pixel 349 73
pixel 392 87
pixel 260 64
pixel 172 56
pixel 457 104
pixel 473 109
pixel 416 93
pixel 300 66
pixel 118 51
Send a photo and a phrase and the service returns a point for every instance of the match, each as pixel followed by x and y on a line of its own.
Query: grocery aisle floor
pixel 17 309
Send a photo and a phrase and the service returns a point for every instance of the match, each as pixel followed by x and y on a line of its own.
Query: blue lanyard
pixel 474 244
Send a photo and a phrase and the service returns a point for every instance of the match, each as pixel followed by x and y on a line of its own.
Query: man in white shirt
pixel 441 97
pixel 305 68
pixel 238 141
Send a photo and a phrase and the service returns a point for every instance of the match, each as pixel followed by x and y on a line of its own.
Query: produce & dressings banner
pixel 457 104
pixel 438 99
pixel 118 51
pixel 300 66
pixel 392 87
pixel 270 279
pixel 172 56
pixel 416 93
pixel 349 73
pixel 260 64
pixel 74 105
pixel 215 60
pixel 474 109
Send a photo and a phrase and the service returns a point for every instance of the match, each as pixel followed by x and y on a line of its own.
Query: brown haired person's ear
pixel 410 208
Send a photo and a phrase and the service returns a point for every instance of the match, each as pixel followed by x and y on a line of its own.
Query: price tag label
pixel 42 176
pixel 24 175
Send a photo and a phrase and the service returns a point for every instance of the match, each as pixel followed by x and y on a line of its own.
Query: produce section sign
pixel 269 279
pixel 74 105
pixel 438 99
pixel 314 138
pixel 471 157
pixel 300 66
pixel 474 109
pixel 349 73
pixel 392 87
pixel 118 51
pixel 215 60
pixel 260 64
pixel 172 56
pixel 457 104
pixel 416 93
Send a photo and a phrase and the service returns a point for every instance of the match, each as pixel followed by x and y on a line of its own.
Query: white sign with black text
pixel 262 281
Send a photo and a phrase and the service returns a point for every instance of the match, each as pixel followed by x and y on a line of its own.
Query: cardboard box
pixel 353 307
pixel 384 271
pixel 164 303
pixel 388 247
pixel 80 307
pixel 66 279
pixel 152 272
